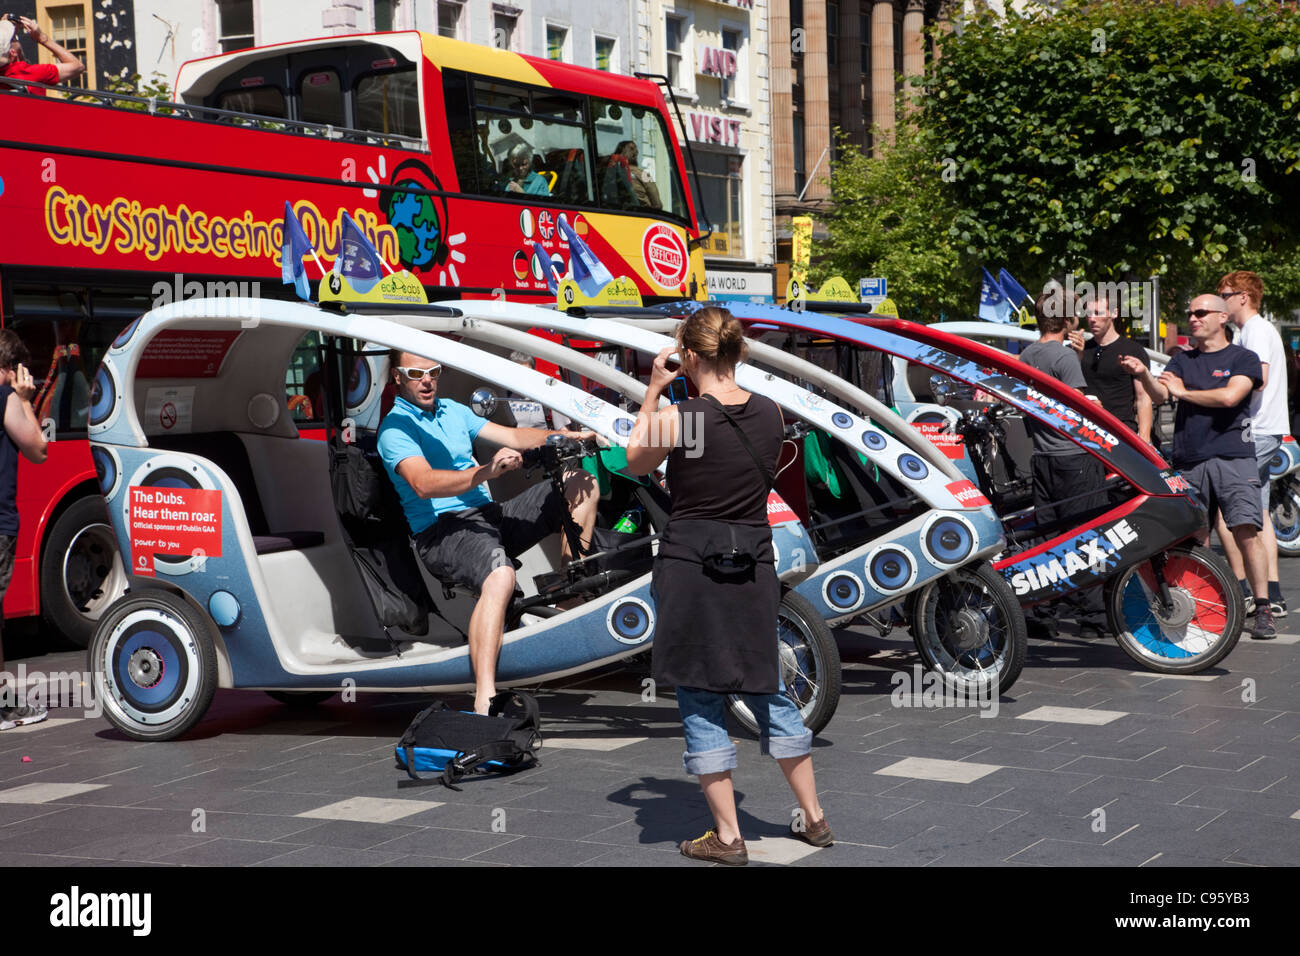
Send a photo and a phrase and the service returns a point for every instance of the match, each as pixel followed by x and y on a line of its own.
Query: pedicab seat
pixel 226 451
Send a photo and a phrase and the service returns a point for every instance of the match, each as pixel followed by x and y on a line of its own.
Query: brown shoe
pixel 712 850
pixel 818 834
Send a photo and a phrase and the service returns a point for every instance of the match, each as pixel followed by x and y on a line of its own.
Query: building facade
pixel 100 32
pixel 714 54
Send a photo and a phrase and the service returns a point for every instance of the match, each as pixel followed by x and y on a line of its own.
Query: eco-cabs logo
pixel 76 909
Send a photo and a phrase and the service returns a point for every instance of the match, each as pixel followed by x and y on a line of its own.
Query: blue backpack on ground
pixel 454 743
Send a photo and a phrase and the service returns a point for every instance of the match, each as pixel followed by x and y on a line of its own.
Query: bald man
pixel 1214 445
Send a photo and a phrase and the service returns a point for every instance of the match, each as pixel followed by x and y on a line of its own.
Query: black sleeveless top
pixel 710 474
pixel 8 471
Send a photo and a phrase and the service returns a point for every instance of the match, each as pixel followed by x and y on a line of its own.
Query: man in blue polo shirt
pixel 460 533
pixel 1214 446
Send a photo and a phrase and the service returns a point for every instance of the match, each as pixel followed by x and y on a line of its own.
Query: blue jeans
pixel 708 746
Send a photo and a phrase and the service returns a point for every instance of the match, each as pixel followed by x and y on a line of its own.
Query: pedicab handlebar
pixel 558 452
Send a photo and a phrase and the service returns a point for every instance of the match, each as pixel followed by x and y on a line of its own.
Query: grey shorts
pixel 1266 447
pixel 464 547
pixel 7 542
pixel 1229 485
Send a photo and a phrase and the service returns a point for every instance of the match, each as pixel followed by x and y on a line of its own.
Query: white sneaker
pixel 11 717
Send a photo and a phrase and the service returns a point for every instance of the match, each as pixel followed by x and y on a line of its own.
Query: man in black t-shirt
pixel 1214 446
pixel 1120 394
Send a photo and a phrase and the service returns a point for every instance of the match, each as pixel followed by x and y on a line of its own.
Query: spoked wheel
pixel 969 627
pixel 810 665
pixel 154 664
pixel 1199 627
pixel 1284 501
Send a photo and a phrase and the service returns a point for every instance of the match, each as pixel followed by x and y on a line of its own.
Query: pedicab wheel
pixel 301 698
pixel 1200 628
pixel 81 570
pixel 810 665
pixel 154 664
pixel 1284 511
pixel 969 627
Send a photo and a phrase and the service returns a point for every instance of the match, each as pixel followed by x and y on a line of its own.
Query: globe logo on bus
pixel 419 233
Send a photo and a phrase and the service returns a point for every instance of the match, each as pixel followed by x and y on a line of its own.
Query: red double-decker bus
pixel 453 158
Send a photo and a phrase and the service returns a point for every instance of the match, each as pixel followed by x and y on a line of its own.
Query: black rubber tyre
pixel 1284 511
pixel 1209 612
pixel 301 698
pixel 969 627
pixel 154 664
pixel 81 570
pixel 810 665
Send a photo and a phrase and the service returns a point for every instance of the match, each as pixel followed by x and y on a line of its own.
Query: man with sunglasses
pixel 1243 292
pixel 460 533
pixel 1214 446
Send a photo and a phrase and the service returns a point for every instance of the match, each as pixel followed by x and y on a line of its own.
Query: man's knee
pixel 580 487
pixel 499 585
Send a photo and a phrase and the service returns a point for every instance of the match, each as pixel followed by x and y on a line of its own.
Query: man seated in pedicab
pixel 460 533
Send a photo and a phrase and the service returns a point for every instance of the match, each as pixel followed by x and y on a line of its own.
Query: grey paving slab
pixel 540 851
pixel 446 843
pixel 135 849
pixel 329 856
pixel 348 834
pixel 225 852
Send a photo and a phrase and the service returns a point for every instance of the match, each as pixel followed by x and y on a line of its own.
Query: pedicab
pixel 246 576
pixel 908 526
pixel 1172 605
pixel 1284 491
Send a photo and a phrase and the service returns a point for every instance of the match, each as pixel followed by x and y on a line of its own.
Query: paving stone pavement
pixel 1087 762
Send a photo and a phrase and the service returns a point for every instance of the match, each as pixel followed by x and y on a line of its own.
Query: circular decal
pixel 125 335
pixel 107 469
pixel 873 440
pixel 537 266
pixel 1277 464
pixel 103 396
pixel 224 608
pixel 630 621
pixel 841 420
pixel 623 426
pixel 948 540
pixel 843 591
pixel 526 223
pixel 579 224
pixel 545 224
pixel 890 568
pixel 665 255
pixel 521 266
pixel 912 467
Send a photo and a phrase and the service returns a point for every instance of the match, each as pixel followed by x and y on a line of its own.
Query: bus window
pixel 261 100
pixel 321 96
pixel 303 384
pixel 635 164
pixel 388 103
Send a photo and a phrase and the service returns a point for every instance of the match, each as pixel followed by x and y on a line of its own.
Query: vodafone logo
pixel 967 494
pixel 665 256
pixel 778 512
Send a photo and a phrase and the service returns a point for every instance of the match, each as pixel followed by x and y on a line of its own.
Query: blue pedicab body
pixel 277 609
pixel 959 529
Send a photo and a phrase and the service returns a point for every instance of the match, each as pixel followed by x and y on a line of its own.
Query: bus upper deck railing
pixel 159 107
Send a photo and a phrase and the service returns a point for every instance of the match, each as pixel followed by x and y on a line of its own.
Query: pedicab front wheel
pixel 154 663
pixel 969 627
pixel 1284 512
pixel 1195 629
pixel 810 665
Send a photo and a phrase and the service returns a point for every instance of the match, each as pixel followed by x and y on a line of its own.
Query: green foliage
pixel 891 218
pixel 155 86
pixel 1115 139
pixel 1126 138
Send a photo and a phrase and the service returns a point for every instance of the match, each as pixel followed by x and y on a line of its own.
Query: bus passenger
pixel 520 175
pixel 460 533
pixel 643 184
pixel 21 433
pixel 14 64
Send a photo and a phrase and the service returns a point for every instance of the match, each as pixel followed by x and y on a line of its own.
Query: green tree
pixel 891 218
pixel 1122 139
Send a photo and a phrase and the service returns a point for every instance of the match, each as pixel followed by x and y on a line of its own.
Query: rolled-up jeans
pixel 709 748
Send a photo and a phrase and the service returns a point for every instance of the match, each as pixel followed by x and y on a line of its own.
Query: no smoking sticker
pixel 170 409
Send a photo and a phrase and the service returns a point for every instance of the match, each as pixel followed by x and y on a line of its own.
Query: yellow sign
pixel 718 242
pixel 834 289
pixel 395 288
pixel 621 291
pixel 800 247
pixel 1026 317
pixel 886 307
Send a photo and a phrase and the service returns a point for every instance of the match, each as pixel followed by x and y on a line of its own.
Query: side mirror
pixel 941 387
pixel 483 402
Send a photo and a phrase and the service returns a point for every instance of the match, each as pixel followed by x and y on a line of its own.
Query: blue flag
pixel 292 248
pixel 993 301
pixel 358 262
pixel 548 267
pixel 1014 291
pixel 588 271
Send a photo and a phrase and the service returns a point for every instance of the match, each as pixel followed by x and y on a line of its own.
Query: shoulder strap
pixel 744 440
pixel 467 761
pixel 532 714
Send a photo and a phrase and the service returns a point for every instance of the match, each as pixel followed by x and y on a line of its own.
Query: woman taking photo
pixel 715 584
